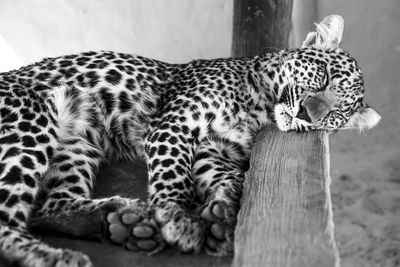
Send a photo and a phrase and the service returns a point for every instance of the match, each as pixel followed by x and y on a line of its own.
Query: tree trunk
pixel 260 26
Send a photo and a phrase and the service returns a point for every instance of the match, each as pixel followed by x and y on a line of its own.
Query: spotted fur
pixel 193 123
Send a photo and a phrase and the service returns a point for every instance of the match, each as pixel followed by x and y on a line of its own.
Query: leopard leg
pixel 218 174
pixel 23 162
pixel 171 189
pixel 69 210
pixel 69 180
pixel 22 249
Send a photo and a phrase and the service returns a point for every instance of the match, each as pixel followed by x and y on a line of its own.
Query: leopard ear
pixel 328 33
pixel 364 118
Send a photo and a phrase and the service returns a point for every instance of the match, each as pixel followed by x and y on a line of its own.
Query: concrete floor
pixel 130 180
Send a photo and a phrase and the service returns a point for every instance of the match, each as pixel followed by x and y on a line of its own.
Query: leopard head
pixel 323 85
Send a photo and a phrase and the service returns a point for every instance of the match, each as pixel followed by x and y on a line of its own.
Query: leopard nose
pixel 303 115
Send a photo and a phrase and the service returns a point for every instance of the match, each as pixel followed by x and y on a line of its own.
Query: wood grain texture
pixel 286 211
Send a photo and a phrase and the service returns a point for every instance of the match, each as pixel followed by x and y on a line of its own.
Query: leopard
pixel 193 123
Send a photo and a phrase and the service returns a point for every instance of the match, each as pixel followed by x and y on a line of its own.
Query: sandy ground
pixel 366 200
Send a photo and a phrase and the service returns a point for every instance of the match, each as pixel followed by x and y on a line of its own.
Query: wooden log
pixel 286 212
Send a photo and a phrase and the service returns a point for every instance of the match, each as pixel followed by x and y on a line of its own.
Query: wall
pixel 173 30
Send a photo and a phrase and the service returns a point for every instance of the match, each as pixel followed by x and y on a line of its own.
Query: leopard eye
pixel 285 95
pixel 325 81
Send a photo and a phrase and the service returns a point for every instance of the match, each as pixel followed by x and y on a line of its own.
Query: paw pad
pixel 135 230
pixel 130 218
pixel 143 231
pixel 221 219
pixel 218 231
pixel 219 211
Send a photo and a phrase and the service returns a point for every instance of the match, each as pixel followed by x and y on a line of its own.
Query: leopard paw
pixel 69 258
pixel 57 258
pixel 221 218
pixel 184 231
pixel 135 229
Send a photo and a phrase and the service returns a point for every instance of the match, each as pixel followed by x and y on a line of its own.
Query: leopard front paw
pixel 221 221
pixel 184 231
pixel 72 259
pixel 135 229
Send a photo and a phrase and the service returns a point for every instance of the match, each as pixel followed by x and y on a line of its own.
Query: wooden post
pixel 286 212
pixel 260 26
